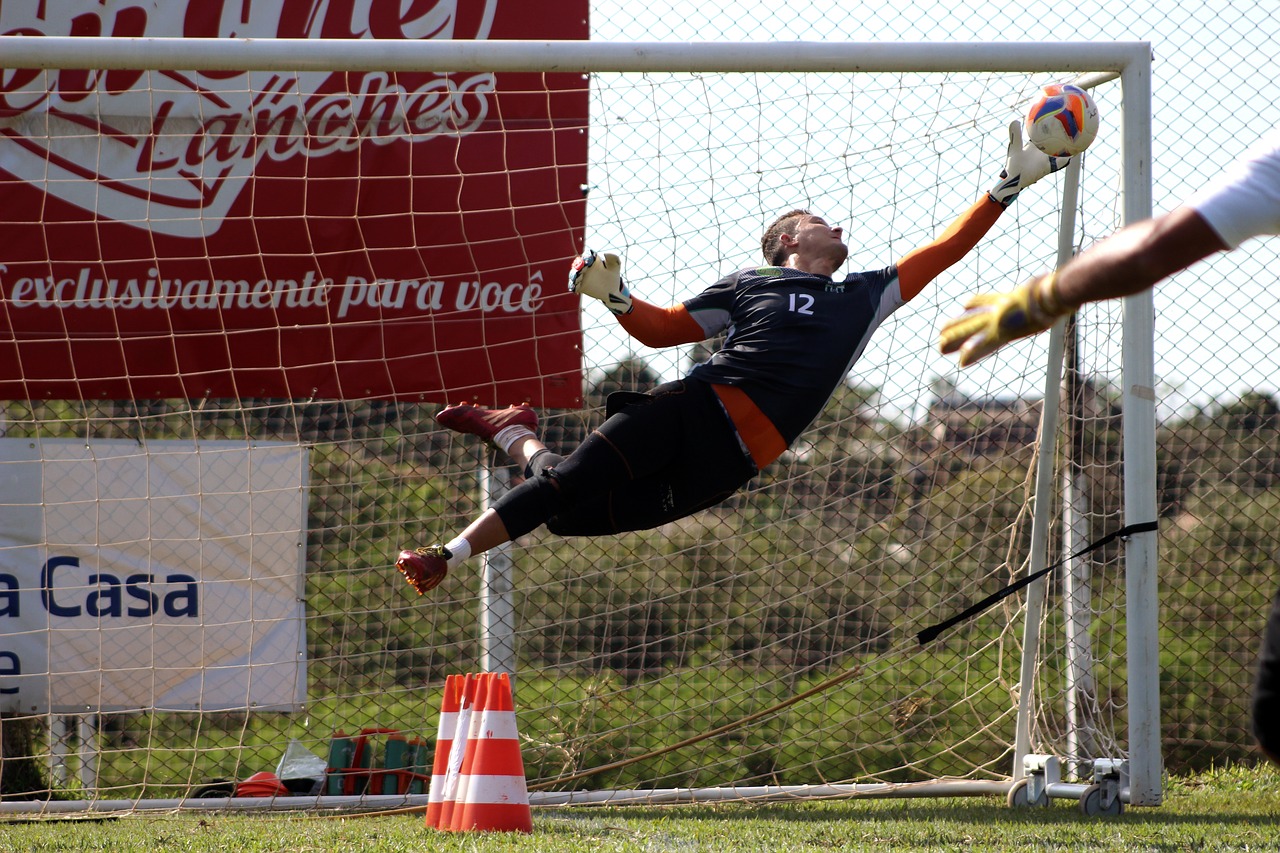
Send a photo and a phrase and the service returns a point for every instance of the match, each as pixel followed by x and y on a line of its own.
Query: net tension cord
pixel 932 633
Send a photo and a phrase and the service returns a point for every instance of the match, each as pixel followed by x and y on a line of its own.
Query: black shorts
pixel 666 455
pixel 1266 690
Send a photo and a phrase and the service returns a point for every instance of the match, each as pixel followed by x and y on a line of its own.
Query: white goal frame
pixel 1129 62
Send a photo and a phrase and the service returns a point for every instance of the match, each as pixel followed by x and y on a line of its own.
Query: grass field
pixel 1233 809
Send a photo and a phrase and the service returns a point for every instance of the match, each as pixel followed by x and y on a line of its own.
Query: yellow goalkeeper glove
pixel 991 320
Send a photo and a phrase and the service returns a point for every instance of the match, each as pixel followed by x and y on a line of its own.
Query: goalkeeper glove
pixel 1024 166
pixel 600 277
pixel 992 320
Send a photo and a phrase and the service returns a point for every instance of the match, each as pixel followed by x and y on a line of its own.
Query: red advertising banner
pixel 291 235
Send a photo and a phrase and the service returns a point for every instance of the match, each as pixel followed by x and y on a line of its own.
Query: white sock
pixel 459 549
pixel 506 437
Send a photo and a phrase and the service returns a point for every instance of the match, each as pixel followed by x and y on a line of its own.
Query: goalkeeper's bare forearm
pixel 1128 262
pixel 1137 257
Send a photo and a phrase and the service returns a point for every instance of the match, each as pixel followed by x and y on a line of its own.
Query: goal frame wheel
pixel 1020 797
pixel 1095 802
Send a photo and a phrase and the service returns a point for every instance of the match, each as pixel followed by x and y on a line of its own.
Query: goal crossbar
pixel 215 54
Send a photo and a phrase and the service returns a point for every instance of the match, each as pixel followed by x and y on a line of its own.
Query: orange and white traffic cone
pixel 459 778
pixel 445 733
pixel 457 751
pixel 492 795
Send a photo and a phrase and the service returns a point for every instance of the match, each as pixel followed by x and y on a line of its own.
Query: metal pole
pixel 1077 613
pixel 497 607
pixel 1081 689
pixel 447 55
pixel 1040 519
pixel 59 747
pixel 88 752
pixel 1139 424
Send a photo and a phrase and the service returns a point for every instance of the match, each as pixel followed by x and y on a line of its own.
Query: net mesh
pixel 774 636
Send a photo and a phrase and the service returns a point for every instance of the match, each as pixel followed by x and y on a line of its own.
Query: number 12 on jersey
pixel 801 303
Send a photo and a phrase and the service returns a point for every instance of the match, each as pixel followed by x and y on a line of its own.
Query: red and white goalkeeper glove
pixel 600 277
pixel 992 320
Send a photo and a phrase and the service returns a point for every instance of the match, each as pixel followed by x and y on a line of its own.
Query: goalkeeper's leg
pixel 514 430
pixel 661 458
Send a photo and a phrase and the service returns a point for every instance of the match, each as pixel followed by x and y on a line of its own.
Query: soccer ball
pixel 1063 120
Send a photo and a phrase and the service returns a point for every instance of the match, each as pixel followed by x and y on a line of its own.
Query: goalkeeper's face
pixel 815 240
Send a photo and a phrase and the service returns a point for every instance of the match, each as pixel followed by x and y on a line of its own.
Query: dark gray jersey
pixel 792 335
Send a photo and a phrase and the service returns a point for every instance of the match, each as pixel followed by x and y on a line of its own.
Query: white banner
pixel 165 575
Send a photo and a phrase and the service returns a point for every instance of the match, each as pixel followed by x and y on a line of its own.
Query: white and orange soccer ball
pixel 1063 120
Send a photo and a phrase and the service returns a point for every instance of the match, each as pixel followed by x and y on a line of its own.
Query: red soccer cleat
pixel 424 568
pixel 486 423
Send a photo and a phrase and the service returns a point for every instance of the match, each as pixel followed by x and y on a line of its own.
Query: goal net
pixel 233 302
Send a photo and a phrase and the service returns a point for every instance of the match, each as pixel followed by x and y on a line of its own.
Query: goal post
pixel 773 639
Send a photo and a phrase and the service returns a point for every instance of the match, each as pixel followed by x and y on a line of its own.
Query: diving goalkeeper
pixel 794 332
pixel 1242 203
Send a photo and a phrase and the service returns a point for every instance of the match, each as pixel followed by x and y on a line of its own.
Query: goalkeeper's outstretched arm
pixel 1130 261
pixel 1024 165
pixel 600 277
pixel 1241 203
pixel 1137 257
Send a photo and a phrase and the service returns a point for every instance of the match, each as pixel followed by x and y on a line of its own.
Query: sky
pixel 683 199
